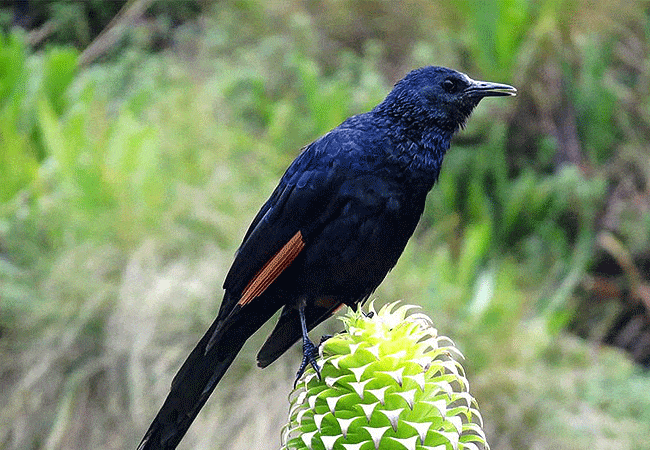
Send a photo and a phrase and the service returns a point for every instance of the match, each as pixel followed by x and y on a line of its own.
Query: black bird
pixel 335 225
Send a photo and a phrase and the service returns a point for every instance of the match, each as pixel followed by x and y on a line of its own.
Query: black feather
pixel 355 195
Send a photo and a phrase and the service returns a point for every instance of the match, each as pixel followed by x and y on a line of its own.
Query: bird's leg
pixel 309 350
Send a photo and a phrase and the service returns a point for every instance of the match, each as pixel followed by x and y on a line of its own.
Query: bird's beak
pixel 487 89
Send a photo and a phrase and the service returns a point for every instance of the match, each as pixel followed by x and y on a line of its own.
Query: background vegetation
pixel 133 159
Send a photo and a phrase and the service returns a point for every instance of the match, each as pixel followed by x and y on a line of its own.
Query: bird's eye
pixel 450 86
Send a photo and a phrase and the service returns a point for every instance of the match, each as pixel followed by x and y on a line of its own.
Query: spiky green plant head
pixel 388 382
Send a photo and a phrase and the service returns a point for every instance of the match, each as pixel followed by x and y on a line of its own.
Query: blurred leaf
pixel 53 137
pixel 483 293
pixel 555 310
pixel 475 245
pixel 12 65
pixel 18 166
pixel 58 72
pixel 494 31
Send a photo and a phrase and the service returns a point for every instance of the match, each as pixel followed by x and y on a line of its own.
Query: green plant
pixel 389 382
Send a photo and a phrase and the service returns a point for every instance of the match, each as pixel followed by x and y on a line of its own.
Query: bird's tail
pixel 198 377
pixel 190 390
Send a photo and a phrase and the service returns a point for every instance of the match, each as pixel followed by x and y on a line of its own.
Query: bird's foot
pixel 309 355
pixel 324 337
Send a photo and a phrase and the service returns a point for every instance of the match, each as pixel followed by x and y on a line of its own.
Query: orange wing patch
pixel 272 269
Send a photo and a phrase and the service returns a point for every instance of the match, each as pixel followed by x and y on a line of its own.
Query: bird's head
pixel 439 97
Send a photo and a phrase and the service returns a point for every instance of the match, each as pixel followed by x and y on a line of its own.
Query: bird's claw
pixel 309 355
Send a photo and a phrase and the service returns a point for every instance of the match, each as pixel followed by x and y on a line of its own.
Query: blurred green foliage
pixel 77 23
pixel 127 185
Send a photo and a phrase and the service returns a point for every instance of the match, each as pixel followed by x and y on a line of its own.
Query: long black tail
pixel 199 375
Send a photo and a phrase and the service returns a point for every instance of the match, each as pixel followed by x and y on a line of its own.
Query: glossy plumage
pixel 335 225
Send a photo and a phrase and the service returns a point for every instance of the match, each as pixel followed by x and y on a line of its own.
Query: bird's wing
pixel 304 199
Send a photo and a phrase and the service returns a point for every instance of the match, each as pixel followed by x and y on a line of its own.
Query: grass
pixel 130 183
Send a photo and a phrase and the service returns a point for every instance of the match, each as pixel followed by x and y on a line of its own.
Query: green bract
pixel 388 382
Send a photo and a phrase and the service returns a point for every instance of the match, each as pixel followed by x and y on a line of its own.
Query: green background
pixel 132 161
